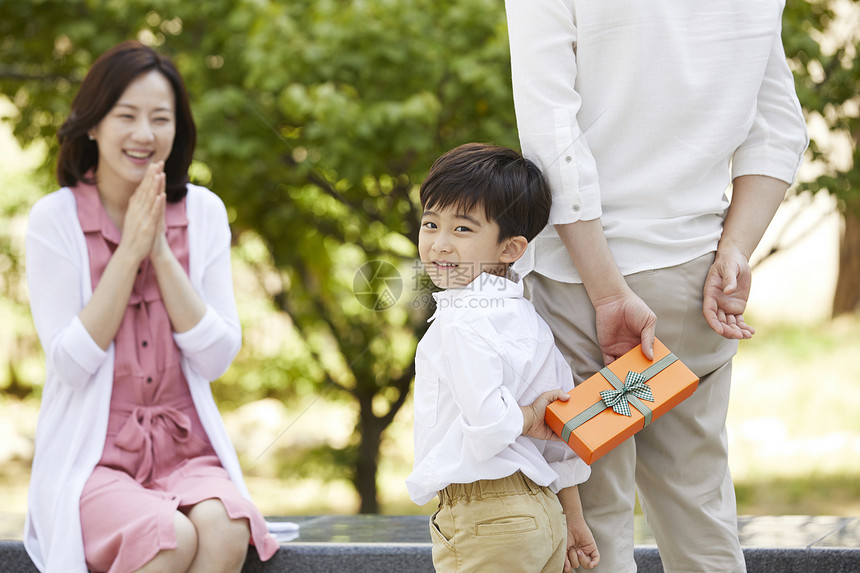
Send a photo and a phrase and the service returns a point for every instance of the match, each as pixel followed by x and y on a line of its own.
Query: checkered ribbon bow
pixel 634 384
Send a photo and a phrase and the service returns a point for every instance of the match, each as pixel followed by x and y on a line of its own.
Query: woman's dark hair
pixel 510 188
pixel 102 87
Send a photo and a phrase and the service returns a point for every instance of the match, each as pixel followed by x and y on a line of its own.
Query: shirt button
pixel 139 271
pixel 149 380
pixel 144 344
pixel 568 158
pixel 577 208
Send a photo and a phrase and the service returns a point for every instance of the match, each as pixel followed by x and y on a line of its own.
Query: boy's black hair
pixel 510 188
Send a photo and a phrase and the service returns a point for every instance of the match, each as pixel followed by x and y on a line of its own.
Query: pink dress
pixel 157 457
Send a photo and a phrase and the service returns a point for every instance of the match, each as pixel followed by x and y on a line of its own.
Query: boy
pixel 485 353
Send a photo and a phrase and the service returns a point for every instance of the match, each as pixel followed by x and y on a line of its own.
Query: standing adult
pixel 128 267
pixel 643 115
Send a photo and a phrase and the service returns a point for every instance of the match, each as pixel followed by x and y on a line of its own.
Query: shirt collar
pixel 91 212
pixel 485 285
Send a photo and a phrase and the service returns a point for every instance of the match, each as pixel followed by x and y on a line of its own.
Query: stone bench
pixel 383 544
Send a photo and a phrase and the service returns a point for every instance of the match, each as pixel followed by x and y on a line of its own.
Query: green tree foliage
pixel 317 120
pixel 822 40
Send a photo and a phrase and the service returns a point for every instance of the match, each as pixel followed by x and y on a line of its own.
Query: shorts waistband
pixel 516 483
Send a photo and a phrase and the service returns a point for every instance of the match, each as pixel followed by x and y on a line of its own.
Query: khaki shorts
pixel 507 524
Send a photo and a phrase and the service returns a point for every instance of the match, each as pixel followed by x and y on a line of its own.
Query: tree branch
pixel 14 76
pixel 281 301
pixel 402 385
pixel 778 245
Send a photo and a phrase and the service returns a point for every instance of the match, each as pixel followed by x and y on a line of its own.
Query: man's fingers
pixel 648 341
pixel 730 283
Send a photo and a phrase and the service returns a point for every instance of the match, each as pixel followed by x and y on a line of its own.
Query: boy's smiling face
pixel 456 246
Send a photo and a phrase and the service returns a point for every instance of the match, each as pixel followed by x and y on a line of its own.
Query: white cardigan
pixel 73 418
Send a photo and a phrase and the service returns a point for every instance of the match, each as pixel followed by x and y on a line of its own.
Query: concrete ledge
pixel 376 558
pixel 345 557
pixel 13 558
pixel 773 560
pixel 388 544
pixel 339 558
pixel 391 558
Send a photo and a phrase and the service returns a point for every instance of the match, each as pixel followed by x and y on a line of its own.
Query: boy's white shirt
pixel 486 352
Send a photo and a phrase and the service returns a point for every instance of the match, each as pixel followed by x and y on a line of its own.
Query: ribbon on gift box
pixel 634 385
pixel 629 391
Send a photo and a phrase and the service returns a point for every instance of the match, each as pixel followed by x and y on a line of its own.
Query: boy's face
pixel 457 247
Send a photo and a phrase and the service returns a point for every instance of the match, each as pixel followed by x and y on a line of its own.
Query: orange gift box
pixel 620 400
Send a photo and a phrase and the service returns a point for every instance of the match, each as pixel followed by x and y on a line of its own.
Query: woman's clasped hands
pixel 143 225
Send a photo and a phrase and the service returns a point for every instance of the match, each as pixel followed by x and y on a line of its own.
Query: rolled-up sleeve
pixel 74 356
pixel 212 344
pixel 563 460
pixel 490 417
pixel 543 35
pixel 777 139
pixel 54 280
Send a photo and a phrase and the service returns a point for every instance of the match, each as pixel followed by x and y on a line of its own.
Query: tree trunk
pixel 847 297
pixel 370 428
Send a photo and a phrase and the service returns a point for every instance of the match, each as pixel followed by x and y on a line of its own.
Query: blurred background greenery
pixel 317 121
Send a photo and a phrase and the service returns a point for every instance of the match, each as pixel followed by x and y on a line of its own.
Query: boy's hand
pixel 533 415
pixel 581 547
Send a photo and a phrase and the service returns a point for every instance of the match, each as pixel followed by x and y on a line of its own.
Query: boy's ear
pixel 514 249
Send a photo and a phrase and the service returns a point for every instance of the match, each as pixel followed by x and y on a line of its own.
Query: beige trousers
pixel 508 524
pixel 678 464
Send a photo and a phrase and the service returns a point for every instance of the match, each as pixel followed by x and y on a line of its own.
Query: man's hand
pixel 622 323
pixel 755 199
pixel 727 290
pixel 623 319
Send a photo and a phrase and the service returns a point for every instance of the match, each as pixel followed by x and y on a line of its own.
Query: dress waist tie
pixel 151 430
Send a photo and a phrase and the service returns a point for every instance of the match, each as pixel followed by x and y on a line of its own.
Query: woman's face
pixel 137 131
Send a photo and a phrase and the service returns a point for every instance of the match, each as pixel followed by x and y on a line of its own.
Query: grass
pixel 794 430
pixel 814 494
pixel 795 408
